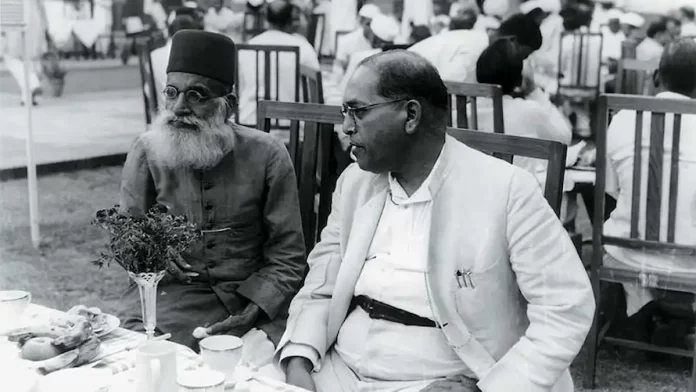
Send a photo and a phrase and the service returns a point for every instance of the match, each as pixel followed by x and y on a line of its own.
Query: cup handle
pixel 155 367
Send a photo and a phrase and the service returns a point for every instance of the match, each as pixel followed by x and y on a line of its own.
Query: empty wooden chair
pixel 635 77
pixel 580 63
pixel 316 176
pixel 653 213
pixel 263 73
pixel 315 31
pixel 508 146
pixel 147 82
pixel 463 93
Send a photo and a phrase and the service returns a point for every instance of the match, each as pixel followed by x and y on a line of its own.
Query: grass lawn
pixel 60 275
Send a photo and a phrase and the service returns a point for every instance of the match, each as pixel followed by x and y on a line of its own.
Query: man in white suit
pixel 440 268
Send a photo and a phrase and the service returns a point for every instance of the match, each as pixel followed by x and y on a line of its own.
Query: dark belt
pixel 381 311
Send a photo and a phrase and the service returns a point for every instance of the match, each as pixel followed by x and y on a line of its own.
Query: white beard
pixel 178 147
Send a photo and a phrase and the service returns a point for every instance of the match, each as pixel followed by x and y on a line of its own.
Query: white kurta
pixel 454 53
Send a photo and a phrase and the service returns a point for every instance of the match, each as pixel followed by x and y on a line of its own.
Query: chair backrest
pixel 312 85
pixel 508 146
pixel 580 60
pixel 658 109
pixel 337 39
pixel 315 31
pixel 147 81
pixel 635 77
pixel 269 55
pixel 464 92
pixel 252 25
pixel 315 175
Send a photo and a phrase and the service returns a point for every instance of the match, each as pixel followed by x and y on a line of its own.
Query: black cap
pixel 203 53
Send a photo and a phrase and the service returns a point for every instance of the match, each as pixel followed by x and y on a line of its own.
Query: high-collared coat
pixel 524 313
pixel 258 254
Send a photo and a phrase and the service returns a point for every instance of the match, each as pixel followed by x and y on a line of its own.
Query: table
pixel 122 364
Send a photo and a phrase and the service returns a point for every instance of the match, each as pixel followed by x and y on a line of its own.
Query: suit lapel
pixel 362 231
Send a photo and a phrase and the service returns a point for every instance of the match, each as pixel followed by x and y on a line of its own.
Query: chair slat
pixel 655 163
pixel 637 169
pixel 673 178
pixel 475 90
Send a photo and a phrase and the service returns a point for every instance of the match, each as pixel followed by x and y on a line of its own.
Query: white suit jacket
pixel 454 53
pixel 527 312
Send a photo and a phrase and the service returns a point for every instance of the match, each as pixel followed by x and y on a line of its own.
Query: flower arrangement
pixel 144 243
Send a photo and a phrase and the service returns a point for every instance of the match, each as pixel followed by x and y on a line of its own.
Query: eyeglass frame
pixel 200 99
pixel 347 110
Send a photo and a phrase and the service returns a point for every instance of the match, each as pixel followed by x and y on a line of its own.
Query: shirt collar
pixel 671 95
pixel 423 193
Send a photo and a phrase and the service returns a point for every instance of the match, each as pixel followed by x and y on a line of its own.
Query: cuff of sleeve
pixel 299 350
pixel 509 375
pixel 264 294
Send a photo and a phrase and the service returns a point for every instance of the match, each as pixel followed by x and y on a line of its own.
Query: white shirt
pixel 394 273
pixel 619 183
pixel 160 59
pixel 649 50
pixel 350 43
pixel 219 22
pixel 454 53
pixel 286 88
pixel 534 117
pixel 611 48
pixel 418 12
pixel 688 29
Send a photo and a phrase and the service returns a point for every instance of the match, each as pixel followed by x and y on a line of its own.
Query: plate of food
pixel 102 323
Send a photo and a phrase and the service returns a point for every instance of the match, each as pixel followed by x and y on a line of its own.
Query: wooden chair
pixel 647 238
pixel 635 77
pixel 269 54
pixel 508 146
pixel 312 85
pixel 463 92
pixel 252 25
pixel 585 53
pixel 147 82
pixel 339 34
pixel 315 174
pixel 315 31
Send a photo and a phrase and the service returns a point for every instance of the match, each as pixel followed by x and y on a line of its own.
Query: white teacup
pixel 155 367
pixel 222 353
pixel 13 303
pixel 201 380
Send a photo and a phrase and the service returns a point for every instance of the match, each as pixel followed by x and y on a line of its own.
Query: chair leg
pixel 592 345
pixel 693 369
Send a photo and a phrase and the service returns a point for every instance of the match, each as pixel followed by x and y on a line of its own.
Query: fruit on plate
pixel 86 352
pixel 94 315
pixel 24 334
pixel 39 349
pixel 77 334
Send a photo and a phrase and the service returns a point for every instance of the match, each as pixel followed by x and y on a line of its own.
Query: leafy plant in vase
pixel 144 245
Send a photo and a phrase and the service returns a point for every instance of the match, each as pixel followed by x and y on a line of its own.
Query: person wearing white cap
pixel 416 13
pixel 631 24
pixel 613 36
pixel 356 41
pixel 551 27
pixel 454 53
pixel 385 29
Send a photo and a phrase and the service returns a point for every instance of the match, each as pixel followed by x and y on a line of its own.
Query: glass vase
pixel 147 286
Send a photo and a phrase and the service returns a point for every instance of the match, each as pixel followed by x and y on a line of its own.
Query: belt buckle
pixel 369 307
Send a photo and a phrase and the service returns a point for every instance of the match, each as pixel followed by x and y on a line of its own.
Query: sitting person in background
pixel 534 116
pixel 221 19
pixel 439 24
pixel 385 29
pixel 632 26
pixel 687 17
pixel 677 78
pixel 546 14
pixel 418 34
pixel 527 33
pixel 279 15
pixel 652 46
pixel 160 56
pixel 440 268
pixel 454 53
pixel 237 185
pixel 356 41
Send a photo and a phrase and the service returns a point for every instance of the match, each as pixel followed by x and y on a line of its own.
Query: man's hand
pixel 453 384
pixel 179 268
pixel 237 324
pixel 299 373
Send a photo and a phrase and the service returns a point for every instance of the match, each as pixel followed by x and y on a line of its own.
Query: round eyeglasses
pixel 351 111
pixel 191 96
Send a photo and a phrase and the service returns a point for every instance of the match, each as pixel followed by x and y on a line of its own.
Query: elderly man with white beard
pixel 237 184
